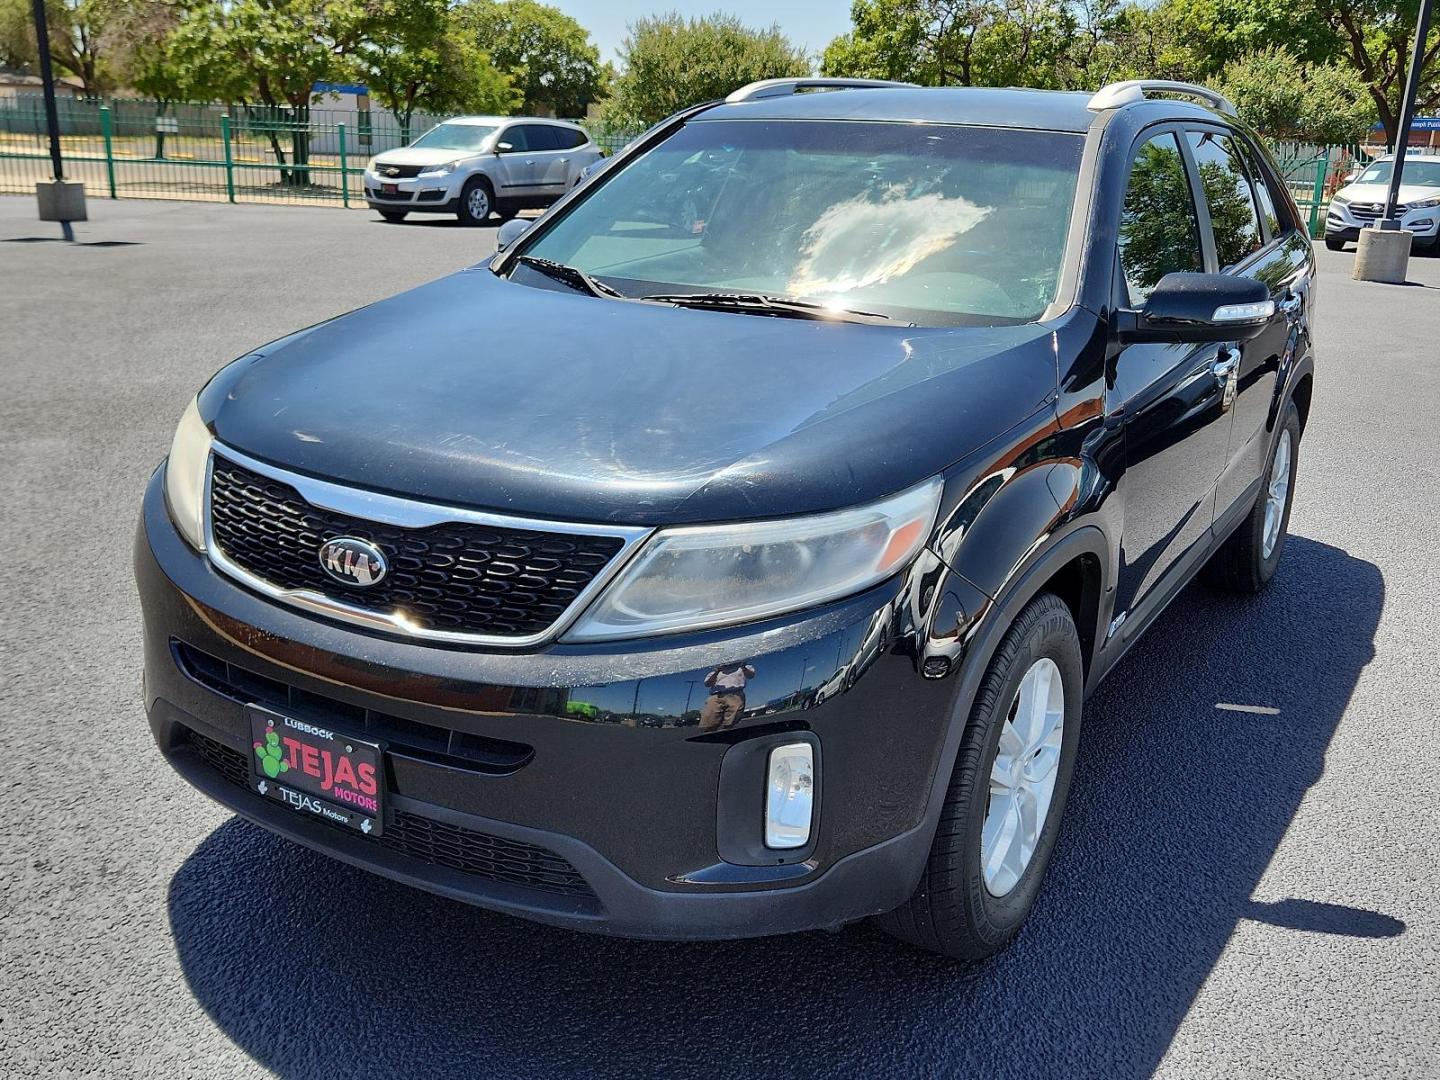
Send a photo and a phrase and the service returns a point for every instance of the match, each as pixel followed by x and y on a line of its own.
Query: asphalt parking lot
pixel 1236 894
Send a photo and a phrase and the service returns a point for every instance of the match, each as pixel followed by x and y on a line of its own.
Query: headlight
pixel 440 170
pixel 1425 204
pixel 185 475
pixel 717 575
pixel 370 167
pixel 1343 200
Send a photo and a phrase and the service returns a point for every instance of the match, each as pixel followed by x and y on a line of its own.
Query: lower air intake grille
pixel 436 842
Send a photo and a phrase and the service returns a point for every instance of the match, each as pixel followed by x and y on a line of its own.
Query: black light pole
pixel 52 115
pixel 1407 113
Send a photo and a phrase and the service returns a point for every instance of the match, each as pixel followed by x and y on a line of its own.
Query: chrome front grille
pixel 453 574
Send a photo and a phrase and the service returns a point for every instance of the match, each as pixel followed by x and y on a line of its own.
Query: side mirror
pixel 1199 307
pixel 504 147
pixel 511 231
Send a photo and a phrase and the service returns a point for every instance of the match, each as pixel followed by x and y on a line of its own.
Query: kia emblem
pixel 352 561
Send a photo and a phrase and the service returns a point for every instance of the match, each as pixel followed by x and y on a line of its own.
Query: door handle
pixel 529 161
pixel 1290 306
pixel 564 161
pixel 1225 366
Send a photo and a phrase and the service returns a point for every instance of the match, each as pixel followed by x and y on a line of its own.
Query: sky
pixel 811 24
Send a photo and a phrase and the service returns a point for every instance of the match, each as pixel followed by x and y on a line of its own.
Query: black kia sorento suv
pixel 732 553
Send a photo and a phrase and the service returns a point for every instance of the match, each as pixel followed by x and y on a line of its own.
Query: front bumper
pixel 418 194
pixel 618 786
pixel 1344 221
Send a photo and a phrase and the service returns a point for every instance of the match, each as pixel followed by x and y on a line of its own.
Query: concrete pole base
pixel 1382 255
pixel 61 200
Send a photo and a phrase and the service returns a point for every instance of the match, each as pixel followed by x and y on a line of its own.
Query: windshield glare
pixel 455 137
pixel 931 224
pixel 1416 173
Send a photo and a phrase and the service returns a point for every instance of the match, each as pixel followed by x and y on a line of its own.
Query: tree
pixel 150 70
pixel 546 53
pixel 955 42
pixel 413 55
pixel 1287 99
pixel 270 52
pixel 86 39
pixel 671 62
pixel 1369 38
pixel 1374 38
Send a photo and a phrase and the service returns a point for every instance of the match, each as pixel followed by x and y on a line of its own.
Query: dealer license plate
pixel 316 771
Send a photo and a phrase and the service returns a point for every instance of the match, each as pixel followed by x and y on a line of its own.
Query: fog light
pixel 789 796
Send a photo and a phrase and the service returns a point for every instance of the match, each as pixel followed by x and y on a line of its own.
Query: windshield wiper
pixel 570 275
pixel 764 304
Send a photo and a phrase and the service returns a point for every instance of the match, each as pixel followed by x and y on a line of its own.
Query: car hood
pixel 422 155
pixel 1375 193
pixel 478 391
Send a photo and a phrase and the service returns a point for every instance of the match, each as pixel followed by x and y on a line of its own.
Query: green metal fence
pixel 127 148
pixel 1314 173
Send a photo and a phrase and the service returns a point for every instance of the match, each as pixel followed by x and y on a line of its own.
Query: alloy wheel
pixel 478 203
pixel 1276 494
pixel 1022 779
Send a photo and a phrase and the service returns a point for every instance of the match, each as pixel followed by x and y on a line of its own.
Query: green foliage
pixel 270 51
pixel 670 62
pixel 1373 39
pixel 1347 56
pixel 413 55
pixel 955 42
pixel 88 38
pixel 544 52
pixel 1287 99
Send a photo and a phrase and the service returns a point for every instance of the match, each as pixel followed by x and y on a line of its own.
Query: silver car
pixel 475 166
pixel 1361 202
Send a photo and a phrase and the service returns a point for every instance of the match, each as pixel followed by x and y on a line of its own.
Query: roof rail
pixel 1125 93
pixel 771 88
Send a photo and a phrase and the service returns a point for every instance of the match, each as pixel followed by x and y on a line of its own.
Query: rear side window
pixel 569 138
pixel 1228 194
pixel 1158 231
pixel 542 137
pixel 1263 195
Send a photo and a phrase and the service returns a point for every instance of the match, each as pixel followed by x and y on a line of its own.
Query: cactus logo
pixel 272 763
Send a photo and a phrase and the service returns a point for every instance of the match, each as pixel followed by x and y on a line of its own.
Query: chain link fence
pixel 131 148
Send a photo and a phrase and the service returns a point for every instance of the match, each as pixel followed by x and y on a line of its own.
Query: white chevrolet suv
pixel 1362 201
pixel 473 166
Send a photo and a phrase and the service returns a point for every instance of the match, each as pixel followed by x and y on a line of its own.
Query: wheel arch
pixel 1074 567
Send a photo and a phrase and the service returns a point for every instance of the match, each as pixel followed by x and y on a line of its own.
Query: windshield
pixel 455 137
pixel 930 224
pixel 1418 173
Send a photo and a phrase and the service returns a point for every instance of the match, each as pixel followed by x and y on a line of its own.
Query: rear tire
pixel 1335 243
pixel 1247 561
pixel 394 216
pixel 969 903
pixel 477 200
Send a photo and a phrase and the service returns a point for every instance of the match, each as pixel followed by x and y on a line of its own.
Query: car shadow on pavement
pixel 318 969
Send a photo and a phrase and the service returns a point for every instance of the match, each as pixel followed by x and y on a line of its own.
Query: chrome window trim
pixel 408 514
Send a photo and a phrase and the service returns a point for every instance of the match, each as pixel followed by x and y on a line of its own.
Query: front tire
pixel 1335 243
pixel 394 216
pixel 477 200
pixel 1247 561
pixel 1002 810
